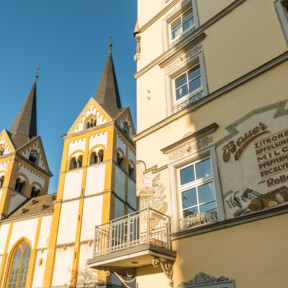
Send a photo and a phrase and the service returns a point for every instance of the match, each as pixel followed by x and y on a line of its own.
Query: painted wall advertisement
pixel 253 161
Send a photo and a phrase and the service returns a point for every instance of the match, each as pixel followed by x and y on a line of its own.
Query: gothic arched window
pixel 17 274
pixel 35 192
pixel 73 164
pixel 33 156
pixel 120 160
pixel 2 150
pixel 91 123
pixel 131 171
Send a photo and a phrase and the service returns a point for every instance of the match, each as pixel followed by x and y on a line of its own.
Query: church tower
pixel 96 183
pixel 24 171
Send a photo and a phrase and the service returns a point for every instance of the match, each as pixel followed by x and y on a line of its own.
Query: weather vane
pixel 110 42
pixel 37 70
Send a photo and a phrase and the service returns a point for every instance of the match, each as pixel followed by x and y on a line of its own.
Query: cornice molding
pixel 221 91
pixel 178 48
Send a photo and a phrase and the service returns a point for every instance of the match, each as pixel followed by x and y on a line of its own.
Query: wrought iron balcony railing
pixel 198 219
pixel 139 228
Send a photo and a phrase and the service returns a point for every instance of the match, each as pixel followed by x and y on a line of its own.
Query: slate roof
pixel 24 127
pixel 36 205
pixel 107 94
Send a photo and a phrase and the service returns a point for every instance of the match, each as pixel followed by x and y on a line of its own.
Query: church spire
pixel 25 125
pixel 107 94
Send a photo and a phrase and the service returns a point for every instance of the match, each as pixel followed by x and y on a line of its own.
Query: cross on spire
pixel 110 42
pixel 37 71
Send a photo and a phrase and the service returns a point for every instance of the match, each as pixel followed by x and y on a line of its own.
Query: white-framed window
pixel 187 84
pixel 196 188
pixel 180 22
pixel 197 193
pixel 282 12
pixel 183 23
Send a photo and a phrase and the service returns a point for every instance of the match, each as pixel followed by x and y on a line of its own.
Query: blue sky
pixel 68 39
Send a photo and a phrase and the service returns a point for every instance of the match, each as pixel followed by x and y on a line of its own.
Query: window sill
pixel 189 100
pixel 182 36
pixel 230 222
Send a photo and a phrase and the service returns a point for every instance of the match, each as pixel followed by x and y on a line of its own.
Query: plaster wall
pixel 68 222
pixel 98 139
pixel 31 175
pixel 16 200
pixel 236 247
pixel 4 142
pixel 26 228
pixel 76 145
pixel 86 275
pixel 63 266
pixel 120 143
pixel 73 184
pixel 148 275
pixel 39 268
pixel 249 96
pixel 132 156
pixel 92 216
pixel 120 183
pixel 147 9
pixel 3 236
pixel 45 232
pixel 95 179
pixel 4 165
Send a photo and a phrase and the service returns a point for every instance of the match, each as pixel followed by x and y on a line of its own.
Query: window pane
pixel 187 175
pixel 189 198
pixel 176 32
pixel 207 207
pixel 194 73
pixel 187 24
pixel 181 92
pixel 180 80
pixel 15 268
pixel 191 211
pixel 195 84
pixel 188 14
pixel 206 192
pixel 24 268
pixel 176 23
pixel 203 169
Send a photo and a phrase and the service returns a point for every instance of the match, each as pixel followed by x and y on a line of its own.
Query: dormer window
pixel 1 181
pixel 20 185
pixel 33 156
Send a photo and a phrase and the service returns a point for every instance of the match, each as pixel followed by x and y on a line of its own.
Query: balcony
pixel 132 241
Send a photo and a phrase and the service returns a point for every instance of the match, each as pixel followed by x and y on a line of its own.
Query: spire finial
pixel 37 71
pixel 110 42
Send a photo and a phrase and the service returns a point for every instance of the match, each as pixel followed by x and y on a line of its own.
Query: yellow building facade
pixel 46 239
pixel 212 162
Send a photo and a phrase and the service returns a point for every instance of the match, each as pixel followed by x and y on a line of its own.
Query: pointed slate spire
pixel 107 94
pixel 25 125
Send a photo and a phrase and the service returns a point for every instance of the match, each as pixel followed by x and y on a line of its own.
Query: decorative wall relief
pixel 150 189
pixel 253 161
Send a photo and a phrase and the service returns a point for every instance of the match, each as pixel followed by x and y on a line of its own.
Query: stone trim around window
pixel 281 7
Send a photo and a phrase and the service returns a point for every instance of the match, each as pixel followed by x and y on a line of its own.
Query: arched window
pixel 131 171
pixel 120 160
pixel 126 128
pixel 1 181
pixel 79 161
pixel 33 156
pixel 20 185
pixel 2 150
pixel 73 163
pixel 91 123
pixel 100 156
pixel 35 192
pixel 93 158
pixel 19 268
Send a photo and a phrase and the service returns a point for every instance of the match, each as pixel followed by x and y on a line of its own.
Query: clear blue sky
pixel 69 40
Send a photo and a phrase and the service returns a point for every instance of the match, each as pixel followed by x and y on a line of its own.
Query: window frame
pixel 281 6
pixel 209 152
pixel 178 10
pixel 175 105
